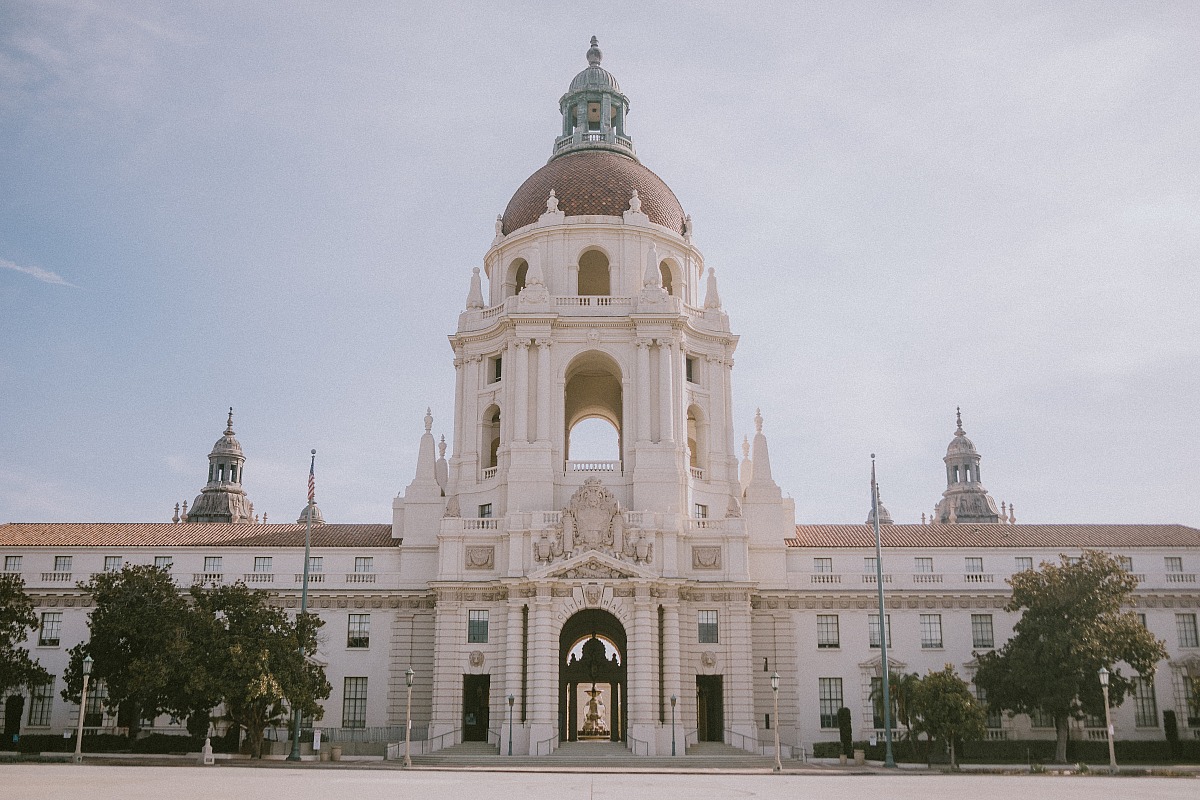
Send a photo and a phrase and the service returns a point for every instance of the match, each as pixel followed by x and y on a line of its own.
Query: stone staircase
pixel 595 756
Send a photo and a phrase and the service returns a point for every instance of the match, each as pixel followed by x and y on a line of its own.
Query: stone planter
pixel 860 757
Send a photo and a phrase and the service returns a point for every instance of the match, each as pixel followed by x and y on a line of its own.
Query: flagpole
pixel 308 515
pixel 888 759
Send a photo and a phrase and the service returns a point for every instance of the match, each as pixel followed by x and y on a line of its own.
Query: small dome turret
pixel 223 499
pixel 594 111
pixel 965 499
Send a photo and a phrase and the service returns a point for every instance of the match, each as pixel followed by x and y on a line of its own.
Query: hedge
pixel 1026 751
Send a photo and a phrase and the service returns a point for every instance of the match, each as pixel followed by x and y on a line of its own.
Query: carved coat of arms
pixel 593 521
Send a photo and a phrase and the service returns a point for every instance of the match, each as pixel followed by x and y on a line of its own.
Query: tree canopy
pixel 946 710
pixel 1072 624
pixel 161 650
pixel 17 619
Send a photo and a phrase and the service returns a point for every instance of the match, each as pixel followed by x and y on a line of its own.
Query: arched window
pixel 593 273
pixel 697 438
pixel 593 439
pixel 490 446
pixel 517 272
pixel 664 269
pixel 592 412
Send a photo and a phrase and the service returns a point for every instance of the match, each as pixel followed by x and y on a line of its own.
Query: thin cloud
pixel 43 275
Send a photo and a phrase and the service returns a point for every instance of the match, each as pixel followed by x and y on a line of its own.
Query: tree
pixel 845 732
pixel 17 619
pixel 1071 625
pixel 902 689
pixel 138 643
pixel 256 658
pixel 946 710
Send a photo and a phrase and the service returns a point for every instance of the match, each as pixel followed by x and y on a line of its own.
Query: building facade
pixel 645 598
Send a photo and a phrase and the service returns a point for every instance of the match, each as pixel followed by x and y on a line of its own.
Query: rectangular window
pixel 12 563
pixel 931 631
pixel 262 563
pixel 354 703
pixel 1126 563
pixel 1024 563
pixel 41 702
pixel 707 622
pixel 869 565
pixel 212 564
pixel 97 698
pixel 495 369
pixel 877 704
pixel 358 633
pixel 701 511
pixel 62 563
pixel 1142 619
pixel 823 565
pixel 982 634
pixel 993 714
pixel 1144 705
pixel 1040 719
pixel 690 369
pixel 51 629
pixel 477 626
pixel 1185 624
pixel 364 563
pixel 1173 563
pixel 485 511
pixel 316 563
pixel 830 695
pixel 164 562
pixel 112 563
pixel 974 564
pixel 923 565
pixel 873 629
pixel 828 635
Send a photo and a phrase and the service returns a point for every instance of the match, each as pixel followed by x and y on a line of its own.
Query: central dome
pixel 593 182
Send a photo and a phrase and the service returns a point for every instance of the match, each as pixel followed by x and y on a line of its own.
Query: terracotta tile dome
pixel 593 182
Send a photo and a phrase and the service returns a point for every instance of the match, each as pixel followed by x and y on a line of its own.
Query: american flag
pixel 312 481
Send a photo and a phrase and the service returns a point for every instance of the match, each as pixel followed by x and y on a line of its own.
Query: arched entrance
pixel 592 678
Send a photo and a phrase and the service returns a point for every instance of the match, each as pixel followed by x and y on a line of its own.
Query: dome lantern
pixel 593 111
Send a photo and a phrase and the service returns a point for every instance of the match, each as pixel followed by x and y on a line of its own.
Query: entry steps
pixel 598 756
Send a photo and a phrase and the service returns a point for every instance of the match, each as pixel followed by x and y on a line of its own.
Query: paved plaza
pixel 57 781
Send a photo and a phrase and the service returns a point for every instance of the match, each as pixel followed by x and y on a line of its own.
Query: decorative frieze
pixel 704 557
pixel 479 557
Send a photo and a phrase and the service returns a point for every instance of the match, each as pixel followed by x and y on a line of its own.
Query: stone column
pixel 643 717
pixel 543 672
pixel 605 111
pixel 642 387
pixel 459 365
pixel 512 669
pixel 581 119
pixel 469 414
pixel 544 393
pixel 520 394
pixel 665 390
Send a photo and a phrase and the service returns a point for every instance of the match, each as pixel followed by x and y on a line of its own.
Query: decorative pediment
pixel 872 665
pixel 593 521
pixel 591 564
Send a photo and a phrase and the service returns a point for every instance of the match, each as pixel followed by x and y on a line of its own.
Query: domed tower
pixel 223 499
pixel 965 499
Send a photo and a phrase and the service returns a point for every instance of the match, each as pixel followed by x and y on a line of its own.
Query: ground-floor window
pixel 1145 705
pixel 830 693
pixel 354 703
pixel 41 702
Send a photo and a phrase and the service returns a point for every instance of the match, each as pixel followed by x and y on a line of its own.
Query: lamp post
pixel 297 716
pixel 408 681
pixel 889 759
pixel 87 671
pixel 672 724
pixel 1112 753
pixel 511 700
pixel 775 727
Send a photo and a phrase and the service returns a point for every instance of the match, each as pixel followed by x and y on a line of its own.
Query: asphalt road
pixel 67 782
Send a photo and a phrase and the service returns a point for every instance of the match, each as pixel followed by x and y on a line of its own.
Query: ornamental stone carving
pixel 706 558
pixel 708 658
pixel 593 521
pixel 476 658
pixel 593 593
pixel 480 557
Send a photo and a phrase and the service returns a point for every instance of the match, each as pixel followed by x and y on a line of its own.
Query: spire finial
pixel 745 447
pixel 175 518
pixel 758 421
pixel 428 419
pixel 593 54
pixel 958 416
pixel 442 447
pixel 229 423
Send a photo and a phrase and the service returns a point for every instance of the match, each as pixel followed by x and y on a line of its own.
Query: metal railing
pixel 376 735
pixel 549 744
pixel 634 744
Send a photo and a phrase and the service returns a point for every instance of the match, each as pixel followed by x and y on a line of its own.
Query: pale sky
pixel 909 207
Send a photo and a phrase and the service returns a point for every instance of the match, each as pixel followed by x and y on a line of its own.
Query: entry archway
pixel 592 649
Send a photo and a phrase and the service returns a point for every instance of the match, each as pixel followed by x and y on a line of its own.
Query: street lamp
pixel 1112 753
pixel 672 724
pixel 511 700
pixel 87 671
pixel 408 681
pixel 775 727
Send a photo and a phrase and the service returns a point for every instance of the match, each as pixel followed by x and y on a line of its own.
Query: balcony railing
pixel 208 577
pixel 360 577
pixel 594 466
pixel 1181 577
pixel 56 577
pixel 490 472
pixel 869 577
pixel 927 577
pixel 825 577
pixel 259 577
pixel 705 524
pixel 979 577
pixel 481 524
pixel 313 577
pixel 697 473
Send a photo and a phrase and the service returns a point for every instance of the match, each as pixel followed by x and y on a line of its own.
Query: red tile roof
pixel 992 534
pixel 166 534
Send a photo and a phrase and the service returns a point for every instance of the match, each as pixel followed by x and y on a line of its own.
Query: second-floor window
pixel 931 631
pixel 12 563
pixel 62 563
pixel 974 564
pixel 364 564
pixel 981 631
pixel 51 629
pixel 477 626
pixel 828 634
pixel 823 565
pixel 708 628
pixel 923 565
pixel 212 564
pixel 262 563
pixel 164 562
pixel 112 563
pixel 358 632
